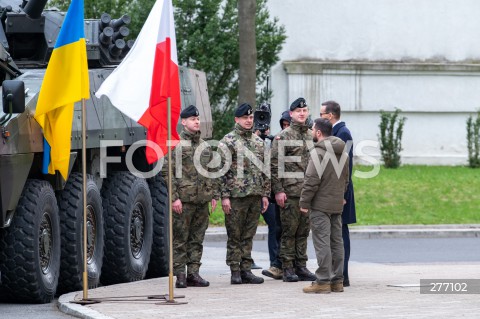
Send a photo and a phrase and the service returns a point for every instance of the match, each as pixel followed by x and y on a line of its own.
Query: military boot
pixel 317 288
pixel 194 280
pixel 181 280
pixel 304 274
pixel 249 278
pixel 273 272
pixel 337 286
pixel 289 275
pixel 236 279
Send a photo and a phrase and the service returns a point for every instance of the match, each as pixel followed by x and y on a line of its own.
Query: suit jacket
pixel 349 214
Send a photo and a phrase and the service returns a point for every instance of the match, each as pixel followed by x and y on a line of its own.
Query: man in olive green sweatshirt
pixel 326 180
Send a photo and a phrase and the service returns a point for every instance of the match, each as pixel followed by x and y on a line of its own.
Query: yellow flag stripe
pixel 65 82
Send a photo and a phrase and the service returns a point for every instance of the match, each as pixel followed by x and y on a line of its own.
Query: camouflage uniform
pixel 295 226
pixel 195 191
pixel 245 195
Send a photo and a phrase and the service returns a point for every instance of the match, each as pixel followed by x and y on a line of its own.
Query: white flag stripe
pixel 129 85
pixel 166 30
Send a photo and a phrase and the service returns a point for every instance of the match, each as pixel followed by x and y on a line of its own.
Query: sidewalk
pixel 363 232
pixel 378 290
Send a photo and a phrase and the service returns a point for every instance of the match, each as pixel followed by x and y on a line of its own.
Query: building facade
pixel 421 56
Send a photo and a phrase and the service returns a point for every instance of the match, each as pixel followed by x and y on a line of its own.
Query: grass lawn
pixel 412 195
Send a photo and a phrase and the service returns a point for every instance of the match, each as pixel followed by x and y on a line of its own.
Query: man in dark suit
pixel 331 110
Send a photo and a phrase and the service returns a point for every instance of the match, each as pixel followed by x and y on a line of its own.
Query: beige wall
pixel 417 55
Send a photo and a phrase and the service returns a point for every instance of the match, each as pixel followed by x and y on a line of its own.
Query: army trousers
pixel 189 229
pixel 241 225
pixel 295 230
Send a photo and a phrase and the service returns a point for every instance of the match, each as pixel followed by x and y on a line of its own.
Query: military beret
pixel 298 103
pixel 189 111
pixel 244 109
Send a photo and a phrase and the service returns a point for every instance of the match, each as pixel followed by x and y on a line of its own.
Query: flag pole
pixel 170 219
pixel 84 300
pixel 84 179
pixel 169 299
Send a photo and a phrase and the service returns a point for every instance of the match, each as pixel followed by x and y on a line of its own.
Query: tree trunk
pixel 248 52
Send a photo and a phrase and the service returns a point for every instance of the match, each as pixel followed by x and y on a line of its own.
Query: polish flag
pixel 148 75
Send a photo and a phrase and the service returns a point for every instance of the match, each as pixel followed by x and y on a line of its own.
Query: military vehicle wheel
pixel 70 202
pixel 158 266
pixel 30 246
pixel 127 208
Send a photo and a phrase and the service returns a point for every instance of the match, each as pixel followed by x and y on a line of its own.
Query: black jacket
pixel 349 214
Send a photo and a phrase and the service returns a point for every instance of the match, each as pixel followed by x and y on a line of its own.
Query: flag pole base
pixel 166 296
pixel 85 301
pixel 171 303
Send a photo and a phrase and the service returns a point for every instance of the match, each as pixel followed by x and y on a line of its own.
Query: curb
pixel 75 310
pixel 366 232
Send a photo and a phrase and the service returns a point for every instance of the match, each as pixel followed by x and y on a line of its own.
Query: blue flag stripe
pixel 46 156
pixel 72 29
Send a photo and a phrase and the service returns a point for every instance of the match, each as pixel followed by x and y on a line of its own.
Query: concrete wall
pixel 420 56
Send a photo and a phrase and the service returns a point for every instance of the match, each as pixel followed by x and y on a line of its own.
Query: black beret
pixel 244 109
pixel 189 111
pixel 298 103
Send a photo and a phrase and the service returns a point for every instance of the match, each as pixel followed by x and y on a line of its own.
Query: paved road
pixel 47 311
pixel 398 250
pixel 402 250
pixel 381 290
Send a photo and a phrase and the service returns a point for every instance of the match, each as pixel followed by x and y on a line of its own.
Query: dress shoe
pixel 181 281
pixel 194 280
pixel 317 288
pixel 236 279
pixel 289 275
pixel 249 278
pixel 304 274
pixel 273 272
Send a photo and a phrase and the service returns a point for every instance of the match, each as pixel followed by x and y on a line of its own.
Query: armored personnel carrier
pixel 41 216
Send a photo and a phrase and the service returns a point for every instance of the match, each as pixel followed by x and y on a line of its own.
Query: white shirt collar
pixel 336 123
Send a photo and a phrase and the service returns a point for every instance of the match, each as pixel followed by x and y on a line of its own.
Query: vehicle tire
pixel 159 263
pixel 30 246
pixel 127 208
pixel 70 203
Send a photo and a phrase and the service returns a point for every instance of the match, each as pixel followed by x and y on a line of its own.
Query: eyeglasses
pixel 324 113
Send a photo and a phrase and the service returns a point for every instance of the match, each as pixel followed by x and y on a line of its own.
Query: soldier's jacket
pixel 254 181
pixel 192 187
pixel 290 186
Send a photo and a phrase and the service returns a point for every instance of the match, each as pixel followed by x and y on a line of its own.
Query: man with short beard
pixel 244 188
pixel 295 225
pixel 322 195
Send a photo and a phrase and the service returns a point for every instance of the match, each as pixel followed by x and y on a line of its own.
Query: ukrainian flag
pixel 65 82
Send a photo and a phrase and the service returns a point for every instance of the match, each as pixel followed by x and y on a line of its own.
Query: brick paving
pixel 377 291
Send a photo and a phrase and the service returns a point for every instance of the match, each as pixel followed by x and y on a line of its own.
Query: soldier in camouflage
pixel 243 189
pixel 191 193
pixel 289 160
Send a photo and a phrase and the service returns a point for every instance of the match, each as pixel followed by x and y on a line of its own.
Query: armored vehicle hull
pixel 41 216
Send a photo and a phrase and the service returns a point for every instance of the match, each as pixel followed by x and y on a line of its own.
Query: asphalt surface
pixel 400 250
